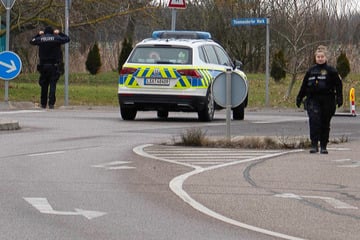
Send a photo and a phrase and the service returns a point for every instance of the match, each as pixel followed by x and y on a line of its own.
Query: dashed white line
pixel 46 153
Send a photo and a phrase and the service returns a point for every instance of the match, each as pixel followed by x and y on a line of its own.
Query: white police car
pixel 174 71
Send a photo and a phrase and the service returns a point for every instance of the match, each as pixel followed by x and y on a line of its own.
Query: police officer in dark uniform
pixel 322 88
pixel 50 66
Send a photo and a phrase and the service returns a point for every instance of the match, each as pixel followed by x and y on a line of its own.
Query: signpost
pixel 254 22
pixel 66 66
pixel 175 4
pixel 229 95
pixel 8 4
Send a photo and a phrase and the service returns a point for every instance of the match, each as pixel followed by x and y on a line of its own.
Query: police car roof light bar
pixel 181 34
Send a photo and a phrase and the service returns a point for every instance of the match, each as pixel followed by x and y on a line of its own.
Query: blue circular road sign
pixel 10 65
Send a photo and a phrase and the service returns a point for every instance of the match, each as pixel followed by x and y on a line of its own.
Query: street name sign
pixel 248 21
pixel 10 65
pixel 177 4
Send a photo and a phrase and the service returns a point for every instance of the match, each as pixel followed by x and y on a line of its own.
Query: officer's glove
pixel 339 102
pixel 298 102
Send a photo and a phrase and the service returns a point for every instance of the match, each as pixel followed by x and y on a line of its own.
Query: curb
pixel 9 124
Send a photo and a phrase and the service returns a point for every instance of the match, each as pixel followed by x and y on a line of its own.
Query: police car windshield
pixel 161 55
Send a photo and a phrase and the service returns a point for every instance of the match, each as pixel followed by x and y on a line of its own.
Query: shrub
pixel 93 61
pixel 343 65
pixel 126 48
pixel 277 67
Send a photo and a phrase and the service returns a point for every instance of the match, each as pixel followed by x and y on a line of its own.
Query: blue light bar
pixel 181 34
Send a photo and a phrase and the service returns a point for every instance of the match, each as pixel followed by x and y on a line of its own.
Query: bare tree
pixel 294 24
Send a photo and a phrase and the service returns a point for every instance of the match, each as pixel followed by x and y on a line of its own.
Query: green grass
pixel 101 89
pixel 84 89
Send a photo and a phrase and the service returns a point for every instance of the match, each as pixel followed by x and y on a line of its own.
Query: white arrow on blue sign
pixel 248 21
pixel 10 65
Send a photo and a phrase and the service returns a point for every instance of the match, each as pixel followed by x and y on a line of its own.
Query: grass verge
pixel 196 137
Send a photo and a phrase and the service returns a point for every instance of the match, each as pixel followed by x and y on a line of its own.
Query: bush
pixel 126 48
pixel 343 65
pixel 277 66
pixel 93 61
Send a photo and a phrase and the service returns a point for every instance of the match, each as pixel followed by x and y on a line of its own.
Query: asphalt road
pixel 73 174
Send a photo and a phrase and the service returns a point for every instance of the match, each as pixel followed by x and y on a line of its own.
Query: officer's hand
pixel 298 102
pixel 339 102
pixel 56 31
pixel 41 32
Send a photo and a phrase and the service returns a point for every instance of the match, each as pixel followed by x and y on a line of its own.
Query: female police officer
pixel 50 54
pixel 322 88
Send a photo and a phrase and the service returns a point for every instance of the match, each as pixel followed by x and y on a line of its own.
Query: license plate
pixel 157 81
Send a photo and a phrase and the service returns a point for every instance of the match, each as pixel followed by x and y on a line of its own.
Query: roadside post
pixel 228 103
pixel 8 4
pixel 229 90
pixel 255 22
pixel 175 4
pixel 66 64
pixel 352 102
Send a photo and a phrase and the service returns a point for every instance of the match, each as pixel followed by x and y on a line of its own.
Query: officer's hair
pixel 321 49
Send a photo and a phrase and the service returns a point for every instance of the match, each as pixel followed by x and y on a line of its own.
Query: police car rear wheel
pixel 239 112
pixel 162 114
pixel 207 114
pixel 128 113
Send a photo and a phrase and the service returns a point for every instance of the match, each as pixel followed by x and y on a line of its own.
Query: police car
pixel 174 71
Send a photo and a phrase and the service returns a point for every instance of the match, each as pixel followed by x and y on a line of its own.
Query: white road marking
pixel 354 164
pixel 202 157
pixel 176 185
pixel 115 165
pixel 21 111
pixel 43 206
pixel 120 168
pixel 335 203
pixel 277 119
pixel 45 153
pixel 342 160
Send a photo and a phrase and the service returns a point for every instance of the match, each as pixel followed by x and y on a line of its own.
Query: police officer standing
pixel 322 88
pixel 49 42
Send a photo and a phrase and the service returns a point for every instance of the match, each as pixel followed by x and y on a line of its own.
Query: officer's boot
pixel 323 149
pixel 314 147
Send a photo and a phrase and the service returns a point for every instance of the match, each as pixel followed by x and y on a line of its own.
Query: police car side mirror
pixel 237 64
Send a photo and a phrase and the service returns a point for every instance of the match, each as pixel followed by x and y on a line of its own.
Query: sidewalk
pixel 287 194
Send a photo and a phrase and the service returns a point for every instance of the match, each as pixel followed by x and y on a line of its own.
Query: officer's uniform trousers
pixel 49 75
pixel 320 109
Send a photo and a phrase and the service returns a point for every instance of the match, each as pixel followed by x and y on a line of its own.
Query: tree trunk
pixel 291 85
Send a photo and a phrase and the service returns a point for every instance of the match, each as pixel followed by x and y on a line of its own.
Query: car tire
pixel 128 113
pixel 239 112
pixel 207 113
pixel 163 114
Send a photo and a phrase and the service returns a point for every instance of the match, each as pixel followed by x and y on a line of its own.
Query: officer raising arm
pixel 49 42
pixel 322 88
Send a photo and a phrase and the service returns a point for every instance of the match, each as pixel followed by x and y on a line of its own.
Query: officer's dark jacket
pixel 321 80
pixel 50 46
